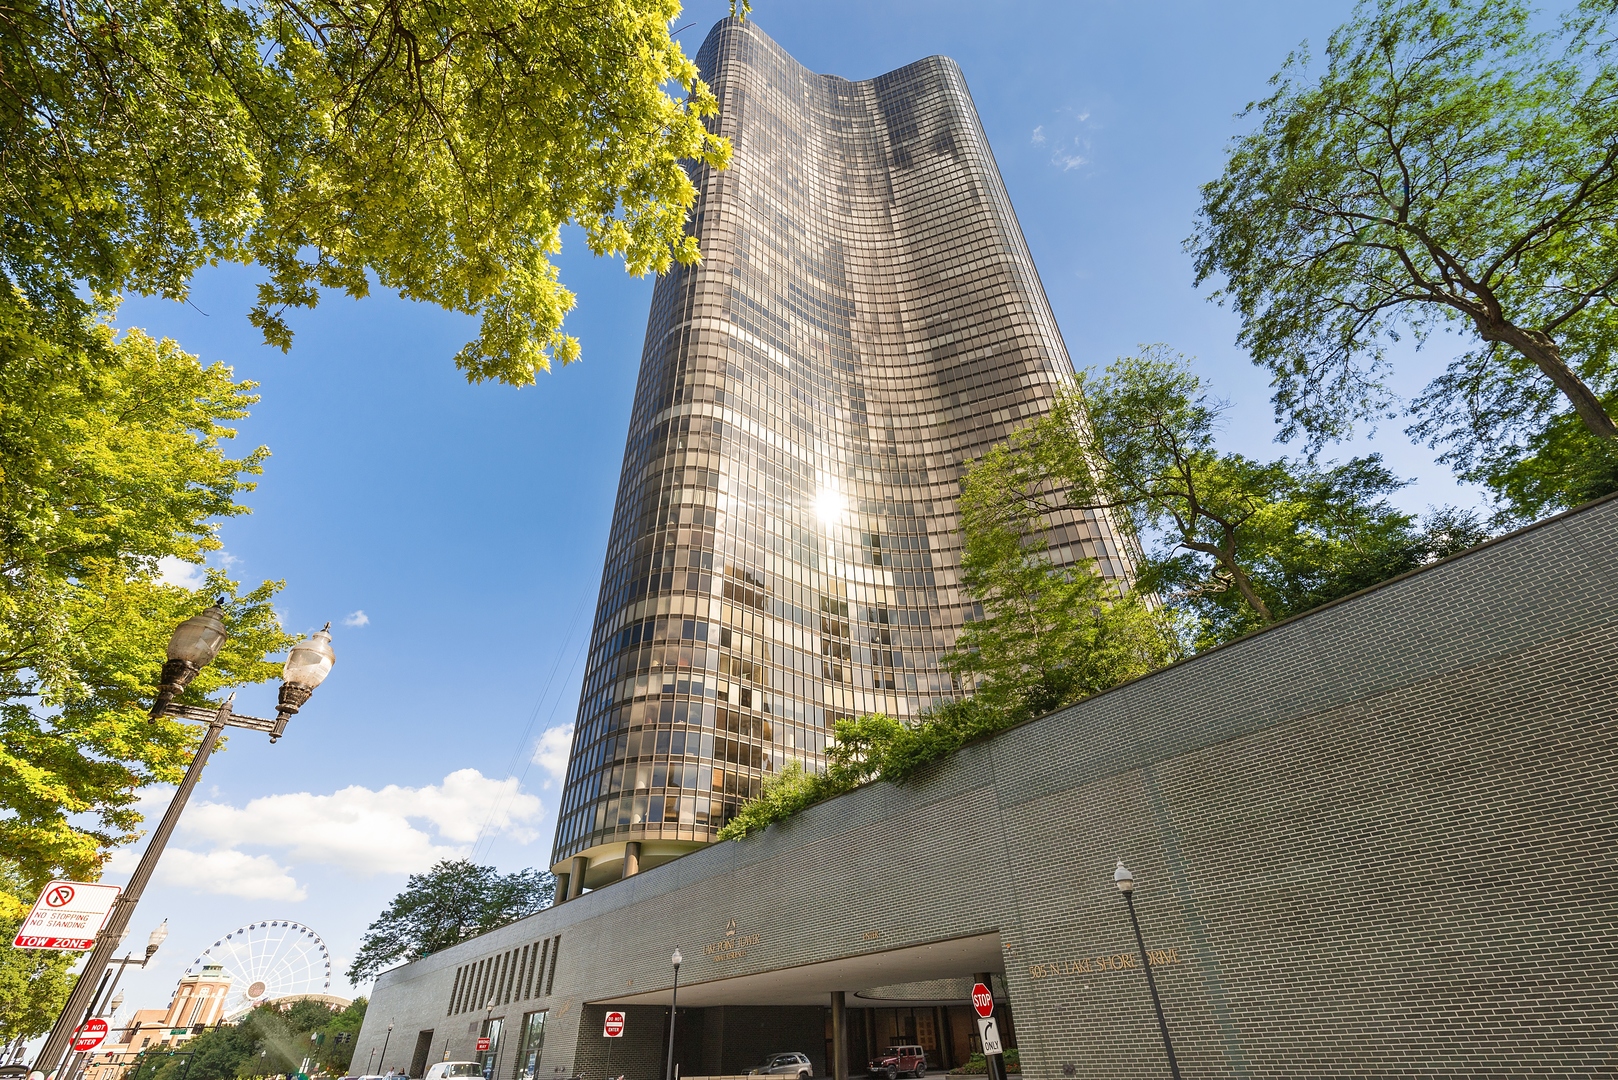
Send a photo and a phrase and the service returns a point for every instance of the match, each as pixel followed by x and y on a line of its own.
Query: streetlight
pixel 194 645
pixel 385 1039
pixel 674 1004
pixel 1126 885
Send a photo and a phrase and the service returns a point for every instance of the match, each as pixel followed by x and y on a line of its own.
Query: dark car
pixel 898 1061
pixel 788 1063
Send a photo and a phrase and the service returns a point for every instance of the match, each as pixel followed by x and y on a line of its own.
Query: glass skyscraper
pixel 785 547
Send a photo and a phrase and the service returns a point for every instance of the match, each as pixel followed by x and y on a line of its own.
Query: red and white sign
pixel 67 915
pixel 982 1000
pixel 613 1025
pixel 90 1035
pixel 483 1046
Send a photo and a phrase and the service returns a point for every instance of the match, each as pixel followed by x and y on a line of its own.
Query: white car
pixel 454 1070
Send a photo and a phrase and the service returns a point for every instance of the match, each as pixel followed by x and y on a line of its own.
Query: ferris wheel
pixel 266 960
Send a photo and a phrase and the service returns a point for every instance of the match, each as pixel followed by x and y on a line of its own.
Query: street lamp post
pixel 674 1013
pixel 388 1035
pixel 1126 885
pixel 195 644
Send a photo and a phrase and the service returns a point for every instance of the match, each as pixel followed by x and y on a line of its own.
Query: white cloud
pixel 551 752
pixel 229 873
pixel 1039 135
pixel 356 618
pixel 370 831
pixel 173 571
pixel 1069 160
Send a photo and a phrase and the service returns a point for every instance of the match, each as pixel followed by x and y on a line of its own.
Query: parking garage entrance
pixel 915 997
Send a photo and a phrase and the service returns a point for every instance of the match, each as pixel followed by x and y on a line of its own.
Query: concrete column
pixel 631 858
pixel 997 1062
pixel 560 895
pixel 838 1065
pixel 575 882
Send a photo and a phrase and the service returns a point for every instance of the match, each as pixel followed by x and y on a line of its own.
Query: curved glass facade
pixel 784 550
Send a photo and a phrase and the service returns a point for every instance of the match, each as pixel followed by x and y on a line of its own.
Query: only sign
pixel 982 1000
pixel 613 1026
pixel 90 1035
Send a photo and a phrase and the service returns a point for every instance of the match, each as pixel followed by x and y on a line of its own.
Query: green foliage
pixel 450 903
pixel 1451 168
pixel 1242 543
pixel 107 464
pixel 437 150
pixel 34 984
pixel 781 796
pixel 111 458
pixel 1050 634
pixel 336 1044
pixel 978 1065
pixel 266 1042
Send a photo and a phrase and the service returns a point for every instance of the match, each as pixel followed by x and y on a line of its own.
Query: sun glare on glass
pixel 829 506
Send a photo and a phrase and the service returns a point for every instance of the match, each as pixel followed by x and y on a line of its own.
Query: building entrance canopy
pixel 871 977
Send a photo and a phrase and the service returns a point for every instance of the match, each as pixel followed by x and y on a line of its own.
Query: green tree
pixel 454 901
pixel 436 150
pixel 1241 543
pixel 1050 634
pixel 336 1046
pixel 107 465
pixel 33 983
pixel 1452 168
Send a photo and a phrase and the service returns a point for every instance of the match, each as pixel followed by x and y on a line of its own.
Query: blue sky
pixel 453 534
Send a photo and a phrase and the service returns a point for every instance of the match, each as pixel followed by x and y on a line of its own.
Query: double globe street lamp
pixel 194 645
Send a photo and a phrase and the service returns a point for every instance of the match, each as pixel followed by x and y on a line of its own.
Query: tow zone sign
pixel 68 915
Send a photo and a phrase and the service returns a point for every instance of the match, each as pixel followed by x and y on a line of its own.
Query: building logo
pixel 732 946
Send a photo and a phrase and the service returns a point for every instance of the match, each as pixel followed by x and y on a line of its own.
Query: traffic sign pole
pixel 985 981
pixel 612 1029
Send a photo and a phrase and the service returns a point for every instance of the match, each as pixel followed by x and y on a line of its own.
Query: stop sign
pixel 613 1026
pixel 90 1035
pixel 982 1000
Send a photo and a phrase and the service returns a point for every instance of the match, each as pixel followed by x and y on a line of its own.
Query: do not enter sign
pixel 90 1035
pixel 982 1000
pixel 613 1026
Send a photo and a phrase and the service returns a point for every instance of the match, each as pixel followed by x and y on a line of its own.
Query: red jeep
pixel 898 1061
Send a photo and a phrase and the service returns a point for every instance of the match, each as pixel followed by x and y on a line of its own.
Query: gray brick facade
pixel 1374 840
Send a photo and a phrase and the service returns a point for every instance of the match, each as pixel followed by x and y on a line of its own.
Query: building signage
pixel 68 915
pixel 989 1032
pixel 982 1000
pixel 90 1035
pixel 1090 965
pixel 732 946
pixel 483 1046
pixel 613 1025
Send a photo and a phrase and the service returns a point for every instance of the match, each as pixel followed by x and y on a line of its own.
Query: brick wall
pixel 1376 839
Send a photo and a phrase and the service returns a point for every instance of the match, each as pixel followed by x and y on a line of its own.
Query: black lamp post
pixel 195 644
pixel 1126 885
pixel 674 1006
pixel 388 1035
